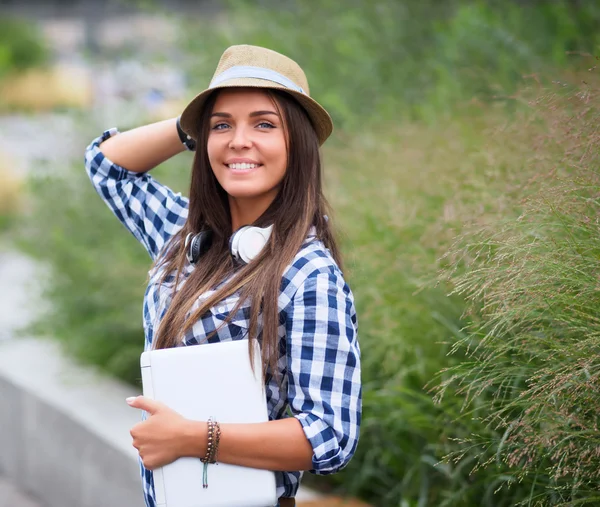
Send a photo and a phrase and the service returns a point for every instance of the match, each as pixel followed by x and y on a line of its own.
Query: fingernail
pixel 130 399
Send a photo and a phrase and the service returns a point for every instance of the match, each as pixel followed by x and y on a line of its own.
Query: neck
pixel 245 211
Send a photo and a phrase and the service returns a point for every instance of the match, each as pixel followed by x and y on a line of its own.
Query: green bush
pixel 398 217
pixel 533 285
pixel 21 46
pixel 97 281
pixel 95 285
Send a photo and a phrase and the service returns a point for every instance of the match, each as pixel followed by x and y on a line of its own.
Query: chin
pixel 243 191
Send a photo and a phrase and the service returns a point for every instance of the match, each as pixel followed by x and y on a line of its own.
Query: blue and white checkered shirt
pixel 319 352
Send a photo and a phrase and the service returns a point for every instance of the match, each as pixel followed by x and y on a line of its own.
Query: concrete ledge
pixel 65 435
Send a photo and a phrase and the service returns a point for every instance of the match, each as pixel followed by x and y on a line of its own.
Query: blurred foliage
pixel 46 89
pixel 392 60
pixel 532 349
pixel 99 271
pixel 24 78
pixel 21 46
pixel 421 149
pixel 97 278
pixel 398 218
pixel 10 194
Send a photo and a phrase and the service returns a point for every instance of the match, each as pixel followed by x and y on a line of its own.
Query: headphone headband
pixel 245 244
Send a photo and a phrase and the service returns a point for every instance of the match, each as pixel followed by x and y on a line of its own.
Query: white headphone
pixel 245 244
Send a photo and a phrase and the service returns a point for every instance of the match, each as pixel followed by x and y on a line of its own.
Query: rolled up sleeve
pixel 152 212
pixel 324 379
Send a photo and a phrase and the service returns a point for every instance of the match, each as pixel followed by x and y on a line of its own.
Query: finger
pixel 144 403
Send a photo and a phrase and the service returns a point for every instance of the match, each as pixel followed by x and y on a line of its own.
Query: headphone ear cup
pixel 234 242
pixel 188 252
pixel 196 245
pixel 247 243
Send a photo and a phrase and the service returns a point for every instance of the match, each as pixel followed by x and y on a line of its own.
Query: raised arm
pixel 143 148
pixel 151 211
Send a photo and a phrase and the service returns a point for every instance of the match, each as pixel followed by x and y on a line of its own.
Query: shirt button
pixel 222 309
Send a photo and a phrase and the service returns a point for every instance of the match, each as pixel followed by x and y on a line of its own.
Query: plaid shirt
pixel 319 352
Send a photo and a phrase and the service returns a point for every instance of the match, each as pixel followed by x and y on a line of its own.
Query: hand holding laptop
pixel 160 439
pixel 184 387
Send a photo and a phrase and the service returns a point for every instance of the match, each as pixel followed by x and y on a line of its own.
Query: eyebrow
pixel 252 115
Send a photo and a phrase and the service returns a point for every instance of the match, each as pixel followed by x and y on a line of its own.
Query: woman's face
pixel 247 146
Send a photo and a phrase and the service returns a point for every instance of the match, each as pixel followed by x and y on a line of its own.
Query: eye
pixel 220 126
pixel 266 124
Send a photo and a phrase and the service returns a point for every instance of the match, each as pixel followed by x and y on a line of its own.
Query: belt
pixel 287 502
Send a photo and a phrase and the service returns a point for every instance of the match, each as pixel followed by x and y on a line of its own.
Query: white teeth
pixel 241 167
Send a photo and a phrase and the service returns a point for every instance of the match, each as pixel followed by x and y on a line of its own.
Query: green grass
pixel 533 348
pixel 398 217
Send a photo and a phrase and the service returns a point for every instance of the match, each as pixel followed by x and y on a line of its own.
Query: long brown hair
pixel 298 205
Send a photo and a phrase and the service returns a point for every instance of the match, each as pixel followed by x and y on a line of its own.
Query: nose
pixel 240 139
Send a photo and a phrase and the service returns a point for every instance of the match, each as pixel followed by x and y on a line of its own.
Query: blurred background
pixel 463 176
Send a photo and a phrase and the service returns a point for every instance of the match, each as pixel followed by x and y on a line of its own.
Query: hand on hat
pixel 158 439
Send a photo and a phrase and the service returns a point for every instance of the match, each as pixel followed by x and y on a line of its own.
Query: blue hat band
pixel 244 71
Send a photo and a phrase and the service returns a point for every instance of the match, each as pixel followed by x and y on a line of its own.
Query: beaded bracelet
pixel 214 437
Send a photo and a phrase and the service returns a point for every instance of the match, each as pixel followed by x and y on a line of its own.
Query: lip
pixel 242 171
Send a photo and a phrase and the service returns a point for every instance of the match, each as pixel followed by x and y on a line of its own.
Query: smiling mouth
pixel 243 166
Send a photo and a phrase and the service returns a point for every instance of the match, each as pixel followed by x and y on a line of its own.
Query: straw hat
pixel 257 67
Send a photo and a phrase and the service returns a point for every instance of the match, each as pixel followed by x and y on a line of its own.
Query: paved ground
pixel 10 496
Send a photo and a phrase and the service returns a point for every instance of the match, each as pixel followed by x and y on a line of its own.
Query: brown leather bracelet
pixel 216 441
pixel 185 139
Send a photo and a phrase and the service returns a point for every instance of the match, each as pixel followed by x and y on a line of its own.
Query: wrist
pixel 195 437
pixel 185 139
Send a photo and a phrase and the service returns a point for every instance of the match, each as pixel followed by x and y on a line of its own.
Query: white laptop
pixel 198 382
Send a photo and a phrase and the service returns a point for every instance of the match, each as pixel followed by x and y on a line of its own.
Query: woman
pixel 256 133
